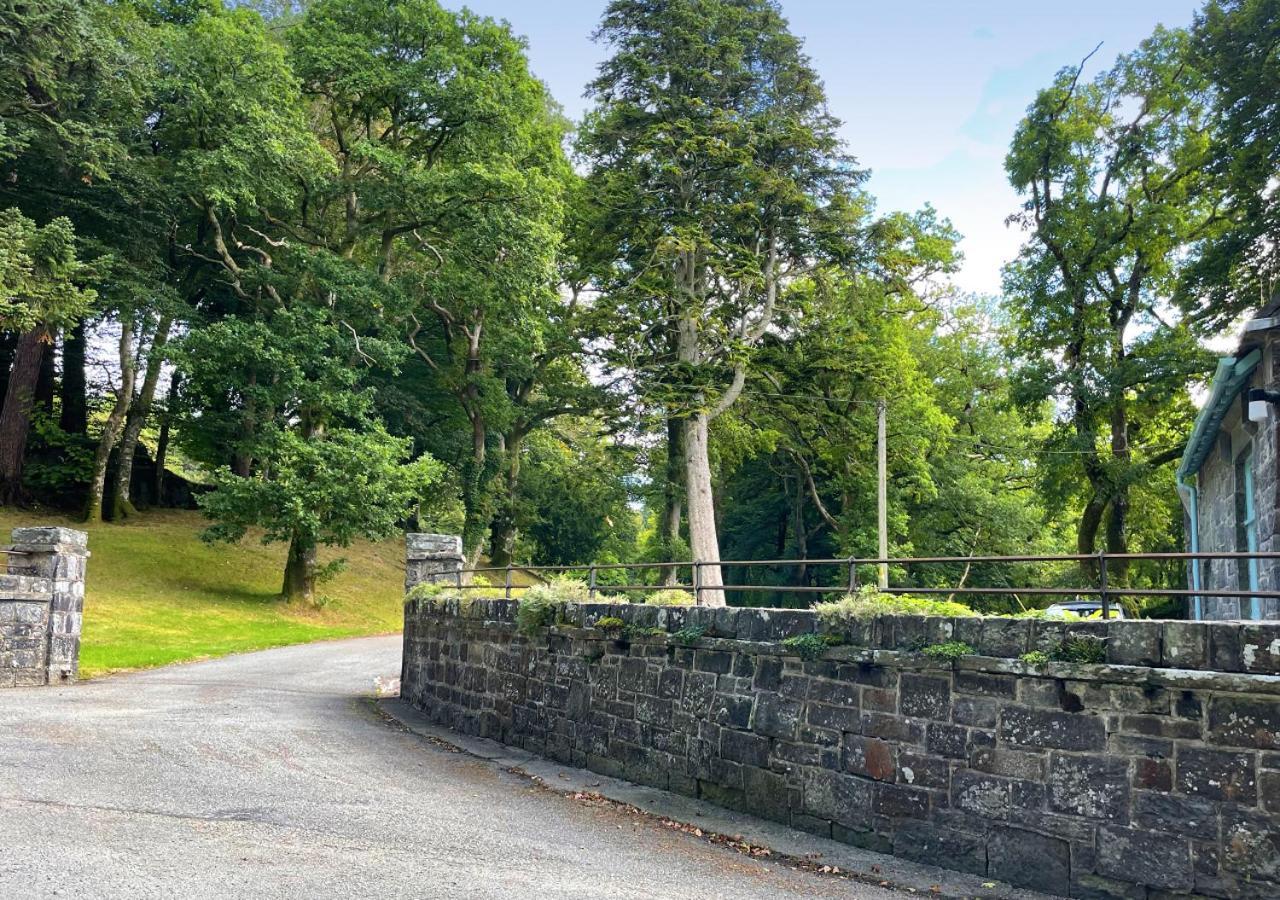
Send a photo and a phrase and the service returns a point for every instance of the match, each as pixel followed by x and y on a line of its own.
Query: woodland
pixel 343 268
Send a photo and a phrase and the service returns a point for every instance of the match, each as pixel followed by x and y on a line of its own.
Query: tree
pixel 41 289
pixel 324 471
pixel 1114 173
pixel 1238 267
pixel 720 178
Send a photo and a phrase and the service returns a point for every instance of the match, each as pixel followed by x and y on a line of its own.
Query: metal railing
pixel 1098 563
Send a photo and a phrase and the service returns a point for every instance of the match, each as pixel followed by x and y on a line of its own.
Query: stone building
pixel 1227 478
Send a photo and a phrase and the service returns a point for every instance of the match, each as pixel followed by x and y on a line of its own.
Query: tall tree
pixel 41 288
pixel 1114 173
pixel 720 178
pixel 1234 44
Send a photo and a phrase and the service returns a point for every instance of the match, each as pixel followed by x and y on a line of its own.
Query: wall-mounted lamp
pixel 1259 401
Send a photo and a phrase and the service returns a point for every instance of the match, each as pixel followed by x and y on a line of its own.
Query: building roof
pixel 1232 375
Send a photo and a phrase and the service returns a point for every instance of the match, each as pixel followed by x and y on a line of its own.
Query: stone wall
pixel 1156 774
pixel 41 601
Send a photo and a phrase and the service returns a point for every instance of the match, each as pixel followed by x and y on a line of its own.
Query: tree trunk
pixel 162 442
pixel 115 421
pixel 74 418
pixel 300 571
pixel 15 421
pixel 702 512
pixel 672 500
pixel 8 344
pixel 46 380
pixel 503 534
pixel 121 504
pixel 475 522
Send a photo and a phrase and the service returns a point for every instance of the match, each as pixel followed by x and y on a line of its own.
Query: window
pixel 1247 531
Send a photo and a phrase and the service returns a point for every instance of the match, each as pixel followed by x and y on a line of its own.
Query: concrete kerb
pixel 787 845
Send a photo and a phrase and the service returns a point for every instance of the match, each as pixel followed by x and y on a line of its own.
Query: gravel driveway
pixel 272 775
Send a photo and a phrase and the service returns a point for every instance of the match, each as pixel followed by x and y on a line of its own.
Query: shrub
pixel 610 623
pixel 483 589
pixel 541 604
pixel 810 646
pixel 951 650
pixel 670 597
pixel 431 590
pixel 1035 658
pixel 1080 649
pixel 690 634
pixel 869 602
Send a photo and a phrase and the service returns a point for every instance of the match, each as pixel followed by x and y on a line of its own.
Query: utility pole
pixel 882 491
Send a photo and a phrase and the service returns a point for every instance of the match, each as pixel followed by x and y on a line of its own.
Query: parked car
pixel 1085 609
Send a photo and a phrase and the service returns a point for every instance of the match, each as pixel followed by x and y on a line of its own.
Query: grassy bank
pixel 157 594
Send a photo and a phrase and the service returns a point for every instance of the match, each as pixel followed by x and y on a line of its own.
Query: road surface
pixel 272 775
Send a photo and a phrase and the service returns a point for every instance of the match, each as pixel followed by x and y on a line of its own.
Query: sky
pixel 929 91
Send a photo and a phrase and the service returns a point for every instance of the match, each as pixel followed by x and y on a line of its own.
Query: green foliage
pixel 1036 658
pixel 1079 649
pixel 869 602
pixel 669 597
pixel 950 650
pixel 41 279
pixel 327 490
pixel 688 635
pixel 429 590
pixel 610 623
pixel 811 646
pixel 1116 176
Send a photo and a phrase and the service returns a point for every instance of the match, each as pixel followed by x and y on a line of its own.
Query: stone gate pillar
pixel 432 558
pixel 54 559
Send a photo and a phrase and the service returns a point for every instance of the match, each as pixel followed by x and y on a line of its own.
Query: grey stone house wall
pixel 1155 775
pixel 41 606
pixel 1217 484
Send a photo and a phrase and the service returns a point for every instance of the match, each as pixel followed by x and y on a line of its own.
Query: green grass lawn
pixel 155 593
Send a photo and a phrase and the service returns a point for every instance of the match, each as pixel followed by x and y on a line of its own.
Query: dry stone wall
pixel 1156 774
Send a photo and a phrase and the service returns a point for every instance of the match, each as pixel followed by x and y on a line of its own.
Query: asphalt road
pixel 272 775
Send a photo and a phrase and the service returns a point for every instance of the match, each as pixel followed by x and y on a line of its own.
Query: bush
pixel 810 646
pixel 610 623
pixel 670 597
pixel 951 650
pixel 869 602
pixel 483 589
pixel 1037 658
pixel 1080 649
pixel 431 590
pixel 541 604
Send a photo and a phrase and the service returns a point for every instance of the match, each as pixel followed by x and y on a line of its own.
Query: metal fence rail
pixel 1097 564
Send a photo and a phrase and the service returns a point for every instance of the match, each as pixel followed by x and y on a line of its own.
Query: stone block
pixel 924 696
pixel 980 712
pixel 742 747
pixel 1260 648
pixel 1093 787
pixel 838 798
pixel 1029 859
pixel 936 846
pixel 869 757
pixel 1008 763
pixel 893 728
pixel 948 740
pixel 1051 730
pixel 923 771
pixel 898 801
pixel 1134 643
pixel 840 718
pixel 1237 720
pixel 1186 645
pixel 1145 857
pixel 1181 815
pixel 976 792
pixel 775 716
pixel 1008 638
pixel 986 684
pixel 1217 775
pixel 732 711
pixel 1250 845
pixel 1225 651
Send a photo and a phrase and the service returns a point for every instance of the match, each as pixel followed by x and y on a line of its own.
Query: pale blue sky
pixel 929 90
